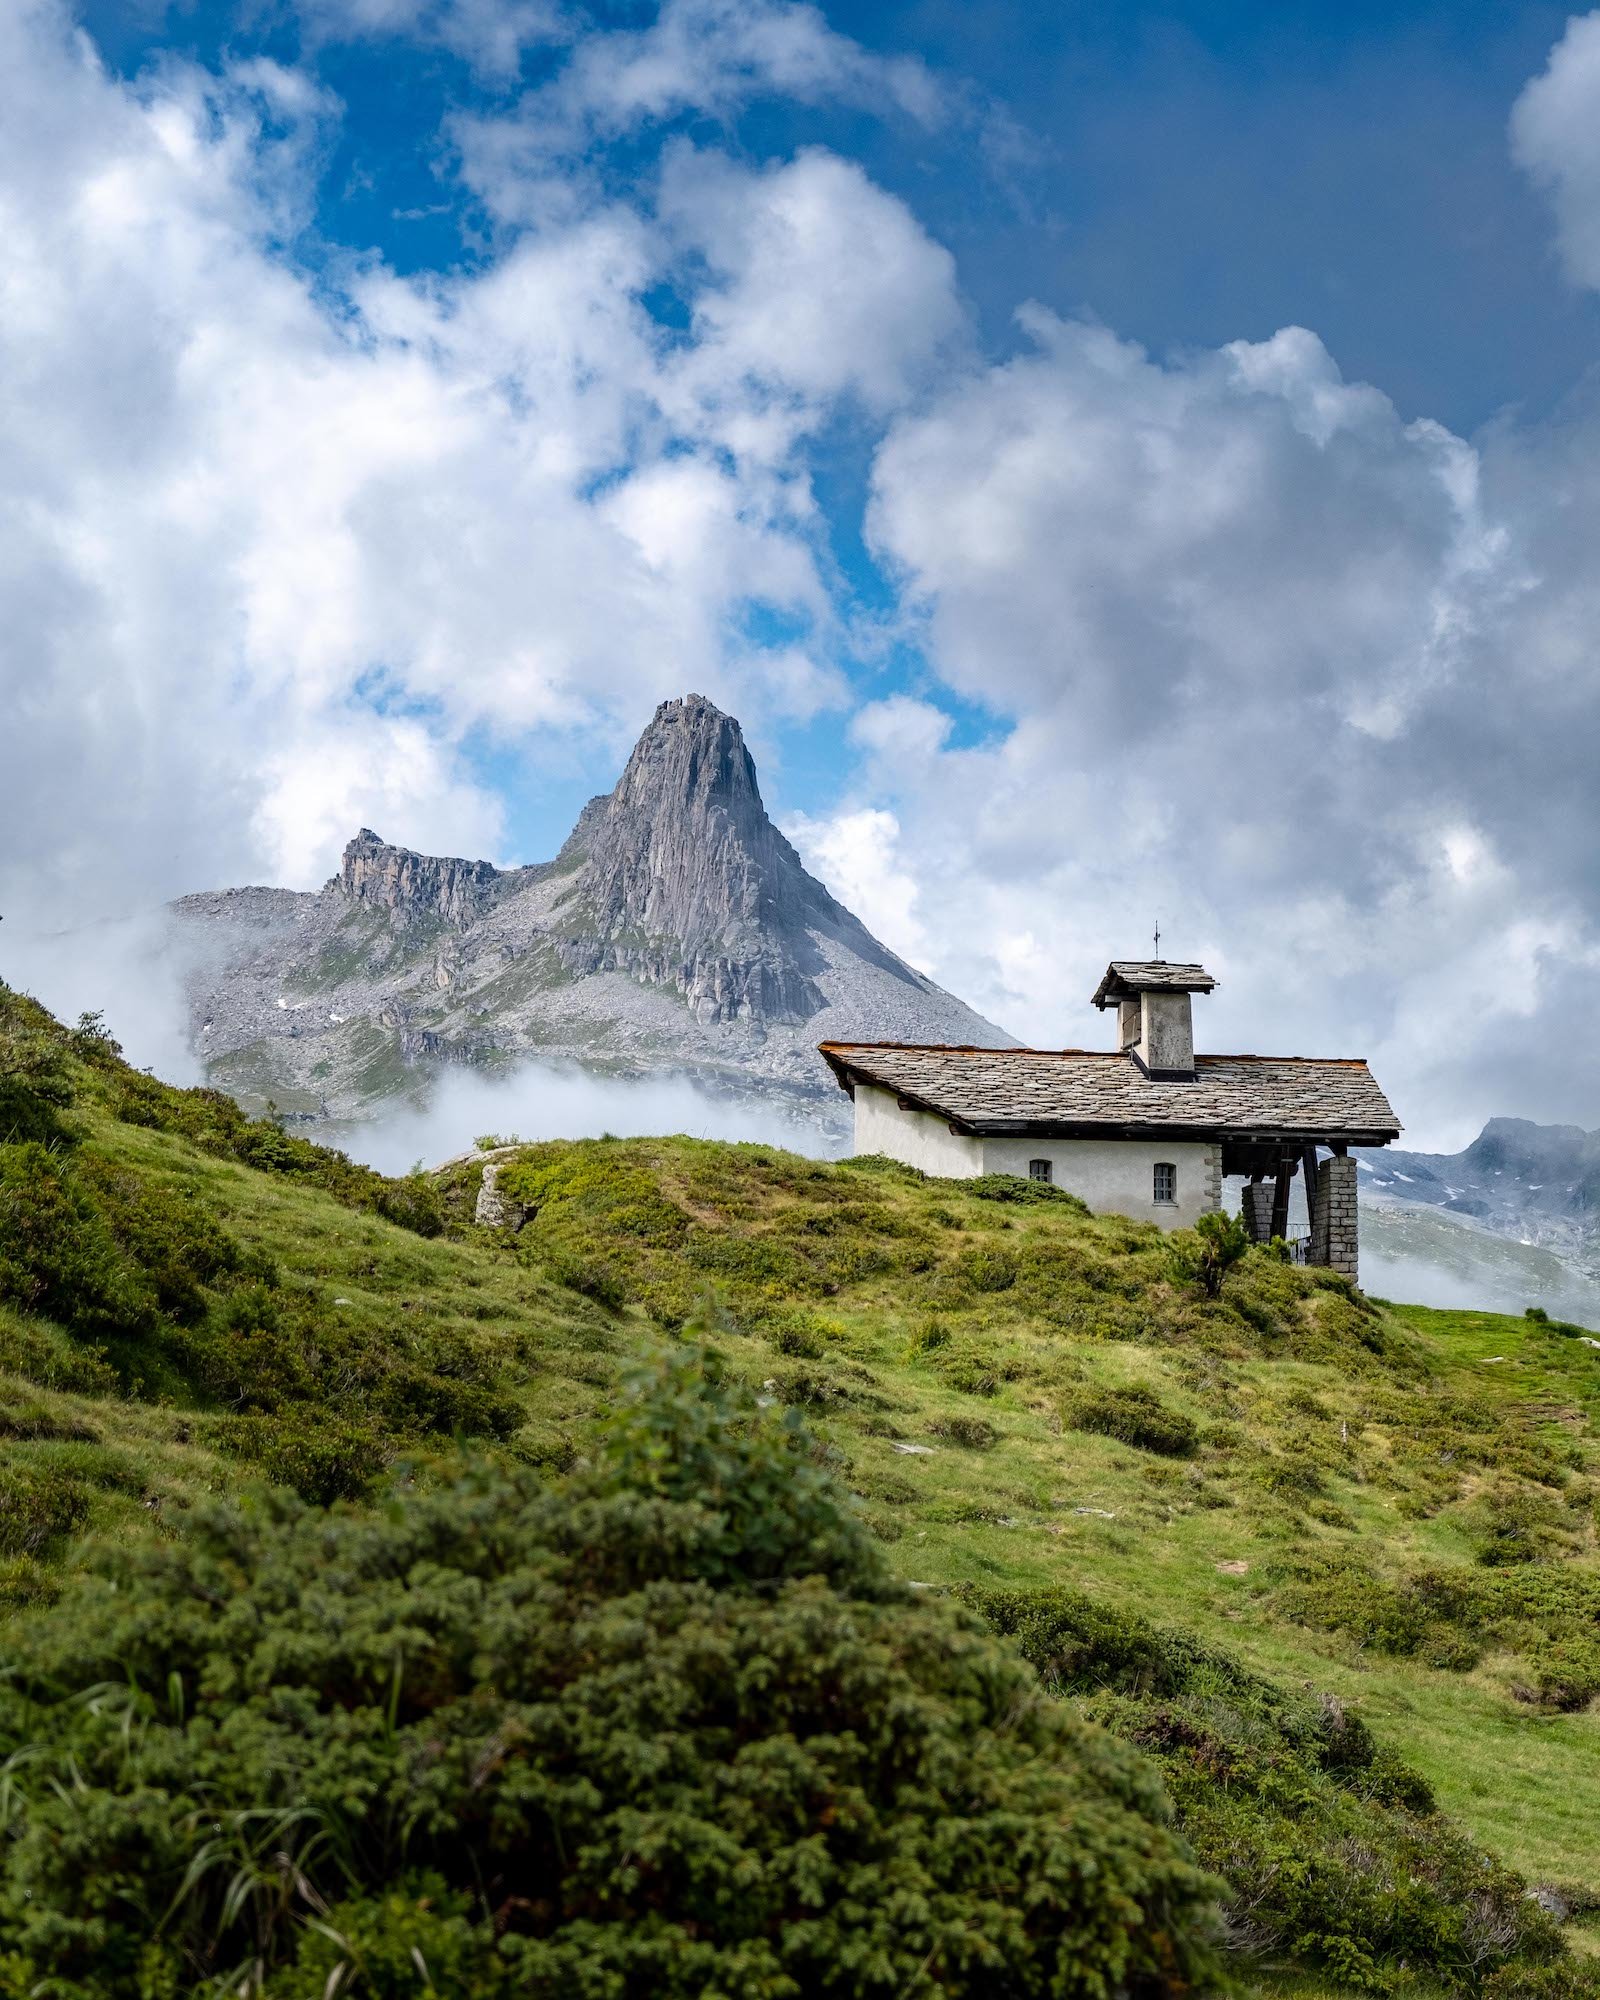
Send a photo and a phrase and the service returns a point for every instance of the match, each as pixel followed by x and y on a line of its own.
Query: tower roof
pixel 1127 977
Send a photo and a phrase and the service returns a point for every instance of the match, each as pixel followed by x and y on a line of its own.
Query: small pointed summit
pixel 692 756
pixel 414 887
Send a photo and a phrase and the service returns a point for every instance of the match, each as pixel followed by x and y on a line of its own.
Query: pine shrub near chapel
pixel 669 1728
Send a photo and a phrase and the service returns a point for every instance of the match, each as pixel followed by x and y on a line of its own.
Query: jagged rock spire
pixel 687 883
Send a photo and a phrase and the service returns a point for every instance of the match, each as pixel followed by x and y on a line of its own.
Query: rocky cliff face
pixel 676 929
pixel 687 884
pixel 414 887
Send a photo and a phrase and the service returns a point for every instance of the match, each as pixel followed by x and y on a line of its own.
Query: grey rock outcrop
pixel 686 883
pixel 415 887
pixel 676 930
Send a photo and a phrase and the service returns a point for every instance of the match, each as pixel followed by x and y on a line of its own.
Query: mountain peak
pixel 692 757
pixel 680 879
pixel 674 880
pixel 687 883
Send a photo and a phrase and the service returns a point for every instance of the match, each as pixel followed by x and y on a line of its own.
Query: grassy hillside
pixel 1331 1564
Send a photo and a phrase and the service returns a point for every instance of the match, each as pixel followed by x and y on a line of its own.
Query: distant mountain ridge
pixel 676 929
pixel 1537 1184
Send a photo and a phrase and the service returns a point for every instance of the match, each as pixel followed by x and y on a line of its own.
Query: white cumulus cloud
pixel 281 543
pixel 1555 132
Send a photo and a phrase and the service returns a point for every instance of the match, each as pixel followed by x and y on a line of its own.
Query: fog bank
pixel 538 1101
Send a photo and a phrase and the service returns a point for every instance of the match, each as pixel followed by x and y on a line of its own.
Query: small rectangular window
pixel 1166 1181
pixel 1039 1170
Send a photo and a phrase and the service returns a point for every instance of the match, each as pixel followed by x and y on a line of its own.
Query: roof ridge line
pixel 1100 1055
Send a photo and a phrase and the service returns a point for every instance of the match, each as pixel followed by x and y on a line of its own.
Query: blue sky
pixel 1116 460
pixel 1192 174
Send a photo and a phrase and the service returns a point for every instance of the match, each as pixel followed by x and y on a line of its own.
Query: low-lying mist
pixel 123 968
pixel 540 1102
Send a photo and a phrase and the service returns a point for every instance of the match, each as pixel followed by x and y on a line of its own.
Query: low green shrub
pixel 1337 1591
pixel 39 1504
pixel 668 1729
pixel 1568 1978
pixel 36 1082
pixel 1331 1845
pixel 881 1163
pixel 1024 1191
pixel 1547 1614
pixel 1136 1415
pixel 988 1270
pixel 59 1256
pixel 972 1433
pixel 320 1456
pixel 1512 1523
pixel 594 1278
pixel 970 1374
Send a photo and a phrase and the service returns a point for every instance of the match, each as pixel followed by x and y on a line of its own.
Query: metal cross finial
pixel 1158 937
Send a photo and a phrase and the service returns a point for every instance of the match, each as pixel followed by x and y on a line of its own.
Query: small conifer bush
pixel 1206 1253
pixel 670 1728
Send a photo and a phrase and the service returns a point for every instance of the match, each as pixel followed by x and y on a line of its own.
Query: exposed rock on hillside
pixel 414 886
pixel 676 930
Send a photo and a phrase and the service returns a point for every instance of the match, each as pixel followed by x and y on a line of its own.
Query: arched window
pixel 1166 1188
pixel 1040 1170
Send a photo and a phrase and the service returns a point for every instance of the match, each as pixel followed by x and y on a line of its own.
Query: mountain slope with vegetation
pixel 1327 1568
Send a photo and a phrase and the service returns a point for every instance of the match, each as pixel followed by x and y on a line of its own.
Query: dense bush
pixel 1134 1414
pixel 1546 1613
pixel 35 1075
pixel 1023 1190
pixel 1567 1979
pixel 59 1254
pixel 1330 1844
pixel 1513 1523
pixel 670 1729
pixel 38 1504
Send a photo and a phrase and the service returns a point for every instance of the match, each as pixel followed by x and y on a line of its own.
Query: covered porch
pixel 1270 1164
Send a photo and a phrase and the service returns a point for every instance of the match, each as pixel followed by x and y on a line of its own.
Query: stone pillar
pixel 1336 1236
pixel 1213 1177
pixel 1258 1211
pixel 1316 1210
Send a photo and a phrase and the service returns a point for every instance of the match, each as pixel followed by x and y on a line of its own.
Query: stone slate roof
pixel 1088 1093
pixel 1125 977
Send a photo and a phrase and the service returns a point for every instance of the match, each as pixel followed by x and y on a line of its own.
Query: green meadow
pixel 1327 1565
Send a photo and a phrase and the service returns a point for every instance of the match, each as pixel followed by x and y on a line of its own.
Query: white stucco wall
pixel 1114 1176
pixel 916 1137
pixel 1117 1176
